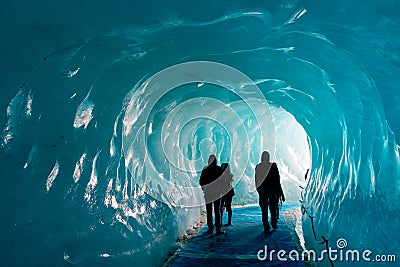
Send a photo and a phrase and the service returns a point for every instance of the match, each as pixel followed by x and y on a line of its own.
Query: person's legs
pixel 210 224
pixel 222 205
pixel 228 205
pixel 217 204
pixel 273 208
pixel 263 202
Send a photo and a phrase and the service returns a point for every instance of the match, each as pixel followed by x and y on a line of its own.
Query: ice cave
pixel 109 111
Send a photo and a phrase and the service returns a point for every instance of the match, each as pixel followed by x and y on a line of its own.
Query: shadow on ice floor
pixel 241 243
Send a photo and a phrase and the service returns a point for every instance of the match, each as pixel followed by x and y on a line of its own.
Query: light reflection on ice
pixel 52 176
pixel 18 110
pixel 79 168
pixel 112 146
pixel 84 112
pixel 93 179
pixel 29 100
pixel 72 73
pixel 119 218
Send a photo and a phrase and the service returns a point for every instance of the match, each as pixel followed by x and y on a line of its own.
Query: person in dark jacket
pixel 269 190
pixel 226 200
pixel 210 183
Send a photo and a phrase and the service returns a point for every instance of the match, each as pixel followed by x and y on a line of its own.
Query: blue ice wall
pixel 71 73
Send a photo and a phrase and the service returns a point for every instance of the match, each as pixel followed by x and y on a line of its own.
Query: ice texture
pixel 75 87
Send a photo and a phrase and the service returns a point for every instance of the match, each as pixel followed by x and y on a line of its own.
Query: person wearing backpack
pixel 210 180
pixel 267 180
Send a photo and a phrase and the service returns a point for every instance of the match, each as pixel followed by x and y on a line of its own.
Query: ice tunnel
pixel 100 163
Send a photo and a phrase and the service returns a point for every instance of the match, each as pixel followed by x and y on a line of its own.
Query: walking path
pixel 241 243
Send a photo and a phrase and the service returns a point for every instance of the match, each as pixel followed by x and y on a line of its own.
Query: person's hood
pixel 212 160
pixel 265 157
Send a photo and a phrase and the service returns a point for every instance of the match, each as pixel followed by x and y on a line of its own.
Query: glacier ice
pixel 75 85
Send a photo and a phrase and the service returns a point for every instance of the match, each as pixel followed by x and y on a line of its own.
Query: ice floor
pixel 241 243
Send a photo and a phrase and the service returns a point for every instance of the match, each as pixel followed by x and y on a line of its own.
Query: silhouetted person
pixel 226 200
pixel 209 183
pixel 269 190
